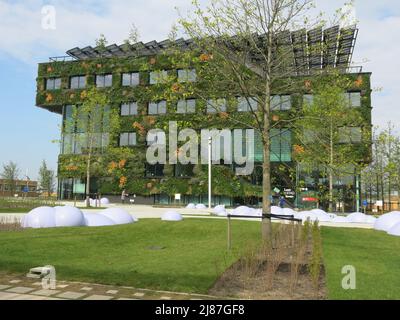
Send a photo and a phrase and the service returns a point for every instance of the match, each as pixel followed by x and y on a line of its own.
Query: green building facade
pixel 129 76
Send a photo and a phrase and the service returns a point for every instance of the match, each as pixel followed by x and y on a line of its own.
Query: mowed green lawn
pixel 375 256
pixel 193 258
pixel 194 255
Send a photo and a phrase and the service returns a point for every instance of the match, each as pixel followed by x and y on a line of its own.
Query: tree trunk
pixel 88 180
pixel 266 222
pixel 330 209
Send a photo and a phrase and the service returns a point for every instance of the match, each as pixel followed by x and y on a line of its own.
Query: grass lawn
pixel 15 210
pixel 374 254
pixel 193 258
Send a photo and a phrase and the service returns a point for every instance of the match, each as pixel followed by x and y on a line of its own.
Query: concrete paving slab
pixel 71 295
pixel 20 290
pixel 46 292
pixel 98 297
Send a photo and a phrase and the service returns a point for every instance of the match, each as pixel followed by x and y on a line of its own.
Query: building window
pixel 353 99
pixel 184 170
pixel 187 75
pixel 247 104
pixel 159 107
pixel 154 170
pixel 186 106
pixel 216 105
pixel 103 80
pixel 281 102
pixel 130 79
pixel 308 99
pixel 281 145
pixel 127 139
pixel 78 82
pixel 53 83
pixel 157 77
pixel 129 109
pixel 350 134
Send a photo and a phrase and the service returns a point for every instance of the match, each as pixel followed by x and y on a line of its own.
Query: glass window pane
pixel 286 101
pixel 242 104
pixel 162 107
pixel 191 106
pixel 132 139
pixel 158 76
pixel 275 102
pixel 57 83
pixel 181 106
pixel 108 80
pixel 152 108
pixel 125 109
pixel 49 84
pixel 99 81
pixel 126 79
pixel 355 99
pixel 308 99
pixel 74 83
pixel 135 79
pixel 82 82
pixel 211 106
pixel 133 110
pixel 123 139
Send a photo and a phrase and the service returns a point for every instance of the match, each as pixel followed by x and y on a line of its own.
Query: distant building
pixel 22 188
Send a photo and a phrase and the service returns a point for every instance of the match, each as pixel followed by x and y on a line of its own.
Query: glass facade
pixel 127 139
pixel 350 135
pixel 281 102
pixel 187 75
pixel 157 77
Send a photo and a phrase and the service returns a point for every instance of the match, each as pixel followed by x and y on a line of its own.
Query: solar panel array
pixel 306 51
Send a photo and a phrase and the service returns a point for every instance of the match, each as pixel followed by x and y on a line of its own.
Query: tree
pixel 11 174
pixel 93 126
pixel 330 131
pixel 46 178
pixel 243 49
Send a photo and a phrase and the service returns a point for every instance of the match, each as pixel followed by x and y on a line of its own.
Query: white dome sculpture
pixel 97 220
pixel 339 219
pixel 171 216
pixel 276 210
pixel 395 230
pixel 118 215
pixel 68 216
pixel 104 201
pixel 241 211
pixel 370 219
pixel 357 217
pixel 41 217
pixel 386 221
pixel 200 206
pixel 191 206
pixel 288 212
pixel 219 209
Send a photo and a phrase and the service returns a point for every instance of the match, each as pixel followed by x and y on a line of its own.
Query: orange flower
pixel 298 149
pixel 205 57
pixel 307 84
pixel 71 168
pixel 359 81
pixel 275 117
pixel 122 163
pixel 99 65
pixel 122 182
pixel 83 94
pixel 112 166
pixel 49 69
pixel 223 115
pixel 151 120
pixel 138 126
pixel 49 97
pixel 176 87
pixel 153 61
pixel 149 185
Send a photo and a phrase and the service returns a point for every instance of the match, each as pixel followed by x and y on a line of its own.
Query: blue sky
pixel 26 132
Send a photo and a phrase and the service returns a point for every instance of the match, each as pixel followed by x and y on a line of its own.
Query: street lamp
pixel 209 171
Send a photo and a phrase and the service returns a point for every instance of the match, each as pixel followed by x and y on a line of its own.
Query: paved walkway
pixel 18 287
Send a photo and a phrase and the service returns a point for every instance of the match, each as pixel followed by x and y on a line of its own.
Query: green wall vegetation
pixel 127 170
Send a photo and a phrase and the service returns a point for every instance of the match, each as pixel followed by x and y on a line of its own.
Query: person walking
pixel 282 201
pixel 124 195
